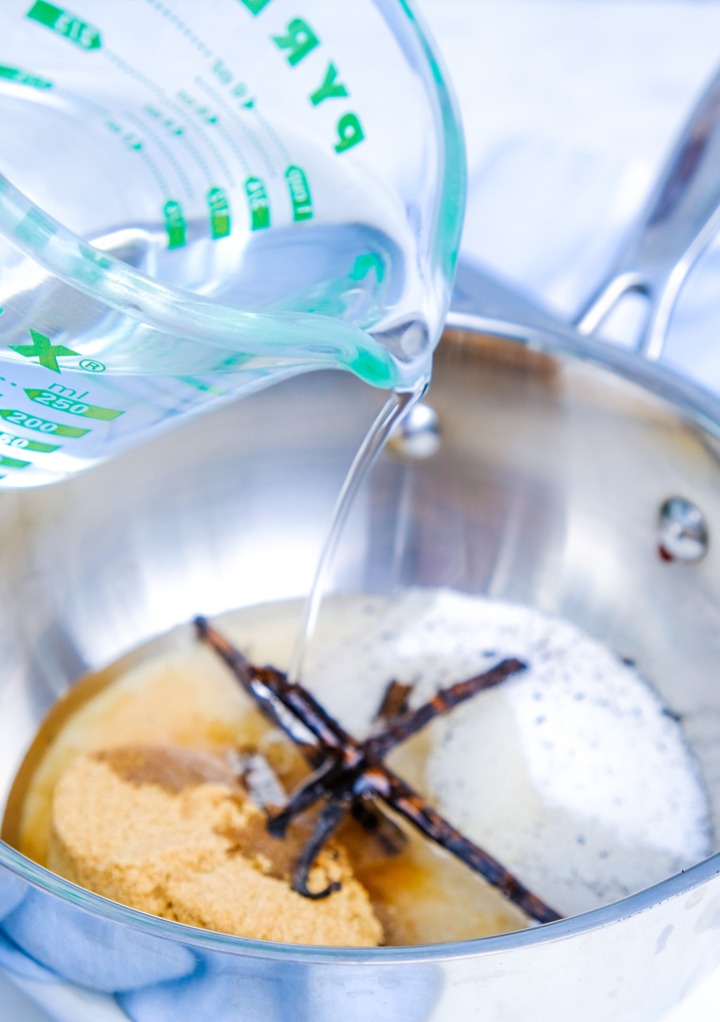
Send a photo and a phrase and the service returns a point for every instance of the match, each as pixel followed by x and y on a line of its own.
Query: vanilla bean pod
pixel 356 770
pixel 330 818
pixel 395 702
pixel 408 723
pixel 365 811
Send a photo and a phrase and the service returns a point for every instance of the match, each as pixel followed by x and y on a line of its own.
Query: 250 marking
pixel 61 404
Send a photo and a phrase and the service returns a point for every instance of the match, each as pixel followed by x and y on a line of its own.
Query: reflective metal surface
pixel 679 221
pixel 545 489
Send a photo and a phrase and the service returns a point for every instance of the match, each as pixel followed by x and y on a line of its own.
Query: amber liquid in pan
pixel 520 771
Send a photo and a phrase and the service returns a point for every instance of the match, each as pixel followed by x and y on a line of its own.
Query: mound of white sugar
pixel 572 773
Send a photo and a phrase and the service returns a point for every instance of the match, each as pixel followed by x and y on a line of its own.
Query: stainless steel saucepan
pixel 551 486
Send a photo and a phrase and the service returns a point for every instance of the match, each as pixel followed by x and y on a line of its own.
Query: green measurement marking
pixel 23 444
pixel 299 193
pixel 36 228
pixel 19 418
pixel 258 203
pixel 71 405
pixel 255 6
pixel 365 263
pixel 219 213
pixel 6 462
pixel 65 24
pixel 175 224
pixel 46 353
pixel 16 74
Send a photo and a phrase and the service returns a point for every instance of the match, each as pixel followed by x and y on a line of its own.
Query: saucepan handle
pixel 679 220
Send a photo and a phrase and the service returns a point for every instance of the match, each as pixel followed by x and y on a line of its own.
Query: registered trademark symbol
pixel 91 365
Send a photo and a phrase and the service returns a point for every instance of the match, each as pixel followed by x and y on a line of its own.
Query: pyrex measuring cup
pixel 198 201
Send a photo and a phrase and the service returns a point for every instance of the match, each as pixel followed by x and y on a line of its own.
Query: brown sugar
pixel 172 832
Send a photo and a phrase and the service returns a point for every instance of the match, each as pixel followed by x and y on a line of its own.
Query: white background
pixel 569 108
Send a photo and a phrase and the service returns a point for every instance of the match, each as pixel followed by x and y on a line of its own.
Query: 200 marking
pixel 32 422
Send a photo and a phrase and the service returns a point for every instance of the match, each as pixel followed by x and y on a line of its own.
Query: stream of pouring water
pixel 392 412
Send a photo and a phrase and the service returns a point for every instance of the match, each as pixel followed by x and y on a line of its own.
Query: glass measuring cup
pixel 196 203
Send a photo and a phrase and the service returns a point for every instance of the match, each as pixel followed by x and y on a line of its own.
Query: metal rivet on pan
pixel 682 531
